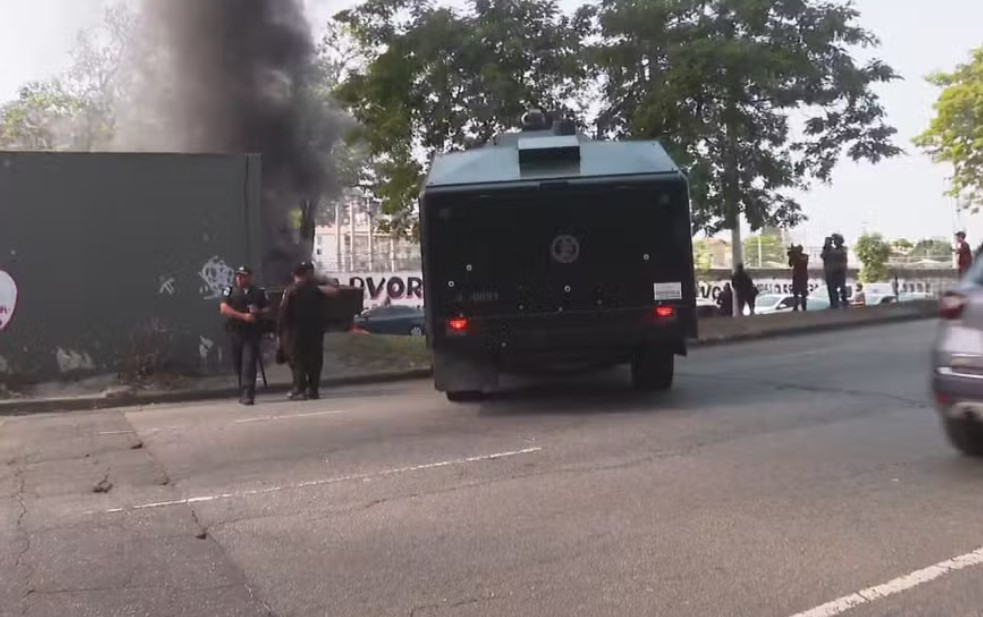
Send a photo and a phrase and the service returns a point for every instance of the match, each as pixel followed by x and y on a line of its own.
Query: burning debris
pixel 235 76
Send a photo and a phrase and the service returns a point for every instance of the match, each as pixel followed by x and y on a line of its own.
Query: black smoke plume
pixel 236 76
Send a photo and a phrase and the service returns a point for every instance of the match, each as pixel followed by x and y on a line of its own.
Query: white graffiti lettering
pixel 166 286
pixel 71 360
pixel 205 346
pixel 216 275
pixel 407 287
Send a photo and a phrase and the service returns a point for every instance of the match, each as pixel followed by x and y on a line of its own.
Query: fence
pixel 405 258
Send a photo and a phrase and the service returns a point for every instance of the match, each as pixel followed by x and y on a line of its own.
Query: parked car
pixel 394 319
pixel 957 363
pixel 766 304
pixel 877 293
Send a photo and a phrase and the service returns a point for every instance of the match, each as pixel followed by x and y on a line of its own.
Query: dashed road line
pixel 892 587
pixel 326 481
pixel 295 416
pixel 169 429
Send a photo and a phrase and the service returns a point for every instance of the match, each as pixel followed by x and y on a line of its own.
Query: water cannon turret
pixel 534 120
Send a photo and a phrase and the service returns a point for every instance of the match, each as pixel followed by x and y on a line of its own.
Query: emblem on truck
pixel 565 249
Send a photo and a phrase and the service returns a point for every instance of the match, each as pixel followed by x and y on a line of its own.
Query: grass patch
pixel 374 352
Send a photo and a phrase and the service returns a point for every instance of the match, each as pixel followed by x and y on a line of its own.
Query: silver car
pixel 957 379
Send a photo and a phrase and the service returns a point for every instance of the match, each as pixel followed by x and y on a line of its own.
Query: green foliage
pixel 720 81
pixel 439 79
pixel 764 250
pixel 76 111
pixel 955 135
pixel 902 245
pixel 937 249
pixel 702 256
pixel 40 118
pixel 874 253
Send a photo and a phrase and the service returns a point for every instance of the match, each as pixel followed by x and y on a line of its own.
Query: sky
pixel 900 198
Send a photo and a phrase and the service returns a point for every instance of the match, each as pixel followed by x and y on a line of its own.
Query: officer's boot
pixel 248 395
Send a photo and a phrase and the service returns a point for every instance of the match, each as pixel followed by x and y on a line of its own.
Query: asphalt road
pixel 778 477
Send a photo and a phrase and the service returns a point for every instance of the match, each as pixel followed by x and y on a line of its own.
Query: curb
pixel 94 402
pixel 16 407
pixel 746 337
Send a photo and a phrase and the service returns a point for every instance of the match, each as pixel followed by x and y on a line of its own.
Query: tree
pixel 75 111
pixel 874 253
pixel 41 118
pixel 902 245
pixel 765 250
pixel 720 83
pixel 438 79
pixel 955 135
pixel 935 249
pixel 99 75
pixel 702 256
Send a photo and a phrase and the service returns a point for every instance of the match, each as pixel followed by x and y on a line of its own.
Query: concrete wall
pixel 118 259
pixel 931 281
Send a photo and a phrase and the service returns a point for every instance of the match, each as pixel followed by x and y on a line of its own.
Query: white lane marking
pixel 902 583
pixel 335 480
pixel 151 431
pixel 292 416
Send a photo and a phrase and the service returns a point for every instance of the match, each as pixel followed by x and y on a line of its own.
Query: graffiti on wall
pixel 8 299
pixel 215 275
pixel 404 288
pixel 709 290
pixel 166 286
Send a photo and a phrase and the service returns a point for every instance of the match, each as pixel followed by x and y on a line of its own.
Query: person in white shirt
pixel 859 296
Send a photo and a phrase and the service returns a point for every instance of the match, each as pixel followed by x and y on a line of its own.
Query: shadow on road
pixel 611 392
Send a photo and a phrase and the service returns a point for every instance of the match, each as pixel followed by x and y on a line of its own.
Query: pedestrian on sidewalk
pixel 798 260
pixel 745 289
pixel 841 258
pixel 964 254
pixel 725 301
pixel 245 307
pixel 300 328
pixel 829 272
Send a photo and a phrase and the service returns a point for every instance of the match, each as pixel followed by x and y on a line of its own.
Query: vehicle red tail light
pixel 664 312
pixel 459 325
pixel 951 306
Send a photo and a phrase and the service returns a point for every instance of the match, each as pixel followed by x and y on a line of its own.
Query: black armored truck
pixel 547 252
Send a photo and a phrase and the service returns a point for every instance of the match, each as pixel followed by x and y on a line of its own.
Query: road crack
pixel 783 385
pixel 20 560
pixel 417 611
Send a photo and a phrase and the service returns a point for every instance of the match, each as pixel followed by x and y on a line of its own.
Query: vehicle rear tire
pixel 653 370
pixel 965 435
pixel 465 396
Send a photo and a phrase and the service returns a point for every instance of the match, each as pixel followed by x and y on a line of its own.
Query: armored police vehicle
pixel 545 251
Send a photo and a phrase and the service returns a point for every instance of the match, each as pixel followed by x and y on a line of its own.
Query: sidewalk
pixel 354 359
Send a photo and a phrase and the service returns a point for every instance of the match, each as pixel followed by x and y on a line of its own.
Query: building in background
pixel 363 248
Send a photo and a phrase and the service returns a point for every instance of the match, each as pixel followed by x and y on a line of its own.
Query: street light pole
pixel 737 256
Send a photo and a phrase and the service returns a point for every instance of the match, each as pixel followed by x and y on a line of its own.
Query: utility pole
pixel 337 235
pixel 351 235
pixel 737 257
pixel 368 209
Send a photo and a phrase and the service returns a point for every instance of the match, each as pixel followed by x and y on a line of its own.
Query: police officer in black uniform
pixel 245 307
pixel 300 327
